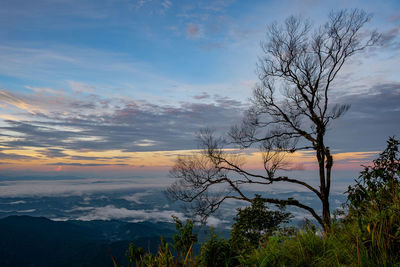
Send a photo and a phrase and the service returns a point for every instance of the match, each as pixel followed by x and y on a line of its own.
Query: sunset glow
pixel 97 87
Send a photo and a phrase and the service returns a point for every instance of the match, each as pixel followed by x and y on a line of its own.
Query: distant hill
pixel 38 241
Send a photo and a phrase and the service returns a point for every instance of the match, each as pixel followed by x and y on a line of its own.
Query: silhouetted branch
pixel 289 112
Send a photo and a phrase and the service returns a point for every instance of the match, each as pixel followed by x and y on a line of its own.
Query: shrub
pixel 217 252
pixel 254 223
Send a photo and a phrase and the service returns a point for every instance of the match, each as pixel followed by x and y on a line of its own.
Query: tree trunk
pixel 322 154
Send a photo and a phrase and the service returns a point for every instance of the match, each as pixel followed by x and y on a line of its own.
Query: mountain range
pixel 38 241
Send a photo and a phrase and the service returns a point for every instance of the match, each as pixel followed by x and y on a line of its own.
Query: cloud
pixel 55 9
pixel 214 221
pixel 192 31
pixel 70 123
pixel 226 101
pixel 79 87
pixel 17 202
pixel 141 3
pixel 45 90
pixel 218 5
pixel 110 212
pixel 97 158
pixel 128 125
pixel 154 6
pixel 14 156
pixel 374 115
pixel 85 164
pixel 212 45
pixel 395 18
pixel 72 67
pixel 75 187
pixel 136 197
pixel 203 95
pixel 390 38
pixel 26 211
pixel 9 98
pixel 45 102
pixel 166 4
pixel 145 143
pixel 53 153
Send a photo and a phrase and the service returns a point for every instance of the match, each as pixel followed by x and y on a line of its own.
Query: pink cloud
pixel 395 18
pixel 192 31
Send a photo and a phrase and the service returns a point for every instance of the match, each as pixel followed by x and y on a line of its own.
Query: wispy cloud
pixel 192 31
pixel 136 197
pixel 390 38
pixel 5 156
pixel 75 187
pixel 80 87
pixel 203 95
pixel 109 124
pixel 65 126
pixel 111 212
pixel 86 164
pixel 153 6
pixel 395 18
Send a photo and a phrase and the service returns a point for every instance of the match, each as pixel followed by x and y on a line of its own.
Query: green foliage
pixel 217 252
pixel 164 256
pixel 374 205
pixel 307 247
pixel 184 239
pixel 377 184
pixel 253 223
pixel 183 244
pixel 134 254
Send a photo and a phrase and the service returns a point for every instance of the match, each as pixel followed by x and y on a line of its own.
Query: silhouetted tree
pixel 290 111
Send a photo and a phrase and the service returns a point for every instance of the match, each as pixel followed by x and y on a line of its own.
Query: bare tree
pixel 290 112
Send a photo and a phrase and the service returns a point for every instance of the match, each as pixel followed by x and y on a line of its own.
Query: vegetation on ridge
pixel 365 233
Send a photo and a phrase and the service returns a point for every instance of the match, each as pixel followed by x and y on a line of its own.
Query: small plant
pixel 254 223
pixel 184 239
pixel 134 254
pixel 217 252
pixel 181 247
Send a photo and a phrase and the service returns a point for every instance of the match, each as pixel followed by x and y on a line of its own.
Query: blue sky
pixel 85 83
pixel 165 48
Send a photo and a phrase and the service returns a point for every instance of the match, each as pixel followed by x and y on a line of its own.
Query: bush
pixel 254 223
pixel 374 205
pixel 184 239
pixel 217 252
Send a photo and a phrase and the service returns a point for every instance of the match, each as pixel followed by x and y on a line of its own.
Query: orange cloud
pixel 12 100
pixel 117 160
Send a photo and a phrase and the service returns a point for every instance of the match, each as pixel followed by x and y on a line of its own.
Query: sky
pixel 121 87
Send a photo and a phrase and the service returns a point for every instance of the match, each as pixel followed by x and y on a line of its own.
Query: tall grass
pixel 370 240
pixel 347 244
pixel 367 241
pixel 307 247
